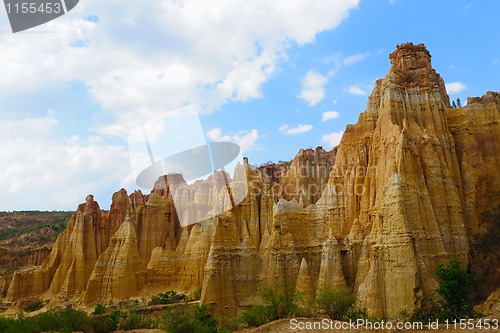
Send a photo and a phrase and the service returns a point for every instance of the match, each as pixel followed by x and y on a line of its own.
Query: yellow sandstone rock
pixel 406 190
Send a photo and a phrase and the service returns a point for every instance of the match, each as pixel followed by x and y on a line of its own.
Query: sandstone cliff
pixel 407 189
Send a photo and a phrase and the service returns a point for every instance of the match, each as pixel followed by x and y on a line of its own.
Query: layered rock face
pixel 400 183
pixel 404 191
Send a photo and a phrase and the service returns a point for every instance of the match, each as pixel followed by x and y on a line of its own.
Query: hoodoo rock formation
pixel 405 191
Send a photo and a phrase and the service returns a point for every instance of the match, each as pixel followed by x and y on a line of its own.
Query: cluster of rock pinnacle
pixel 403 193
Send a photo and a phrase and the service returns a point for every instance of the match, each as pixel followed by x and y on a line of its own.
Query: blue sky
pixel 272 76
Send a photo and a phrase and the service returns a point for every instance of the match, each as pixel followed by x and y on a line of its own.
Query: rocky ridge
pixel 404 191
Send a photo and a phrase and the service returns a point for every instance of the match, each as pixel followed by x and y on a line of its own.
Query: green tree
pixel 455 287
pixel 458 103
pixel 453 105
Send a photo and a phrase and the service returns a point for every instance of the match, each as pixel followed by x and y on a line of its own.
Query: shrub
pixel 132 320
pixel 255 316
pixel 99 309
pixel 204 319
pixel 106 324
pixel 167 297
pixel 192 319
pixel 357 313
pixel 67 320
pixel 63 321
pixel 455 287
pixel 229 325
pixel 33 306
pixel 337 303
pixel 197 293
pixel 280 301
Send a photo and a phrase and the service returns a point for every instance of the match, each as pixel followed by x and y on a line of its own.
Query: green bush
pixel 357 313
pixel 204 319
pixel 337 303
pixel 65 321
pixel 33 306
pixel 197 293
pixel 280 301
pixel 192 319
pixel 99 309
pixel 255 316
pixel 106 324
pixel 228 325
pixel 132 320
pixel 167 297
pixel 455 287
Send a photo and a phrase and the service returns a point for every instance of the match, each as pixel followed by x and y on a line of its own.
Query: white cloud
pixel 337 61
pixel 355 58
pixel 356 90
pixel 392 2
pixel 332 139
pixel 139 60
pixel 455 87
pixel 313 88
pixel 329 115
pixel 198 61
pixel 245 139
pixel 38 167
pixel 285 129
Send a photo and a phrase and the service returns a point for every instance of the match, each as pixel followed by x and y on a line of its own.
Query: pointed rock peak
pixel 89 207
pixel 284 204
pixel 166 185
pixel 304 267
pixel 408 56
pixel 89 198
pixel 411 67
pixel 154 199
pixel 170 180
pixel 247 244
pixel 120 202
pixel 245 233
pixel 125 231
pixel 304 284
pixel 196 232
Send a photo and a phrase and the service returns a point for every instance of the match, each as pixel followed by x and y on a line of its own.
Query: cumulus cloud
pixel 135 60
pixel 455 87
pixel 245 139
pixel 38 167
pixel 332 139
pixel 285 129
pixel 129 72
pixel 329 115
pixel 356 90
pixel 313 88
